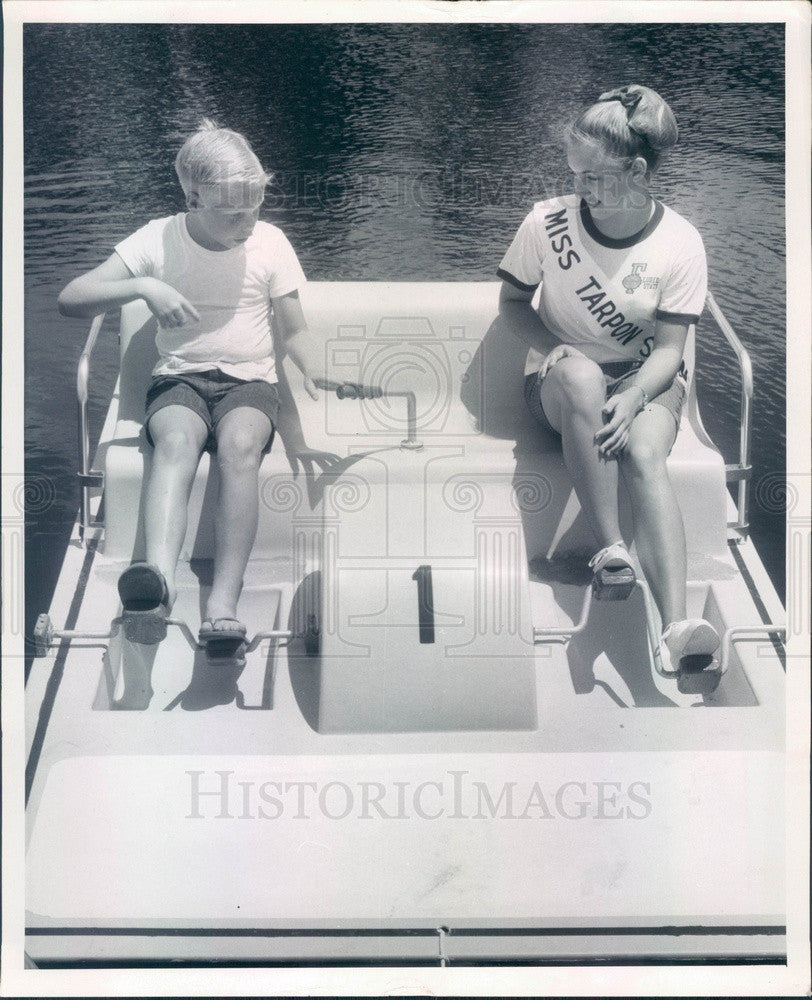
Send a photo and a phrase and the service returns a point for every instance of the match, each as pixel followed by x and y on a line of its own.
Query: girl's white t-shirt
pixel 231 290
pixel 604 296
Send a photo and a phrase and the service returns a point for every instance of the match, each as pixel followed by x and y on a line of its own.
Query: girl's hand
pixel 556 354
pixel 618 414
pixel 167 304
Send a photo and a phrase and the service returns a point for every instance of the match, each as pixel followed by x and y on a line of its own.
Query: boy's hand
pixel 311 387
pixel 167 304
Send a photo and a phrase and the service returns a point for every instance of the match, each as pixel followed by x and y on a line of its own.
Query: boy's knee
pixel 240 448
pixel 176 444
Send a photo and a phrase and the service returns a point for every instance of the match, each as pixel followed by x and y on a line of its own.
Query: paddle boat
pixel 440 743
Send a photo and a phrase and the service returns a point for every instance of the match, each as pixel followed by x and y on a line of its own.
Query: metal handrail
pixel 87 477
pixel 741 471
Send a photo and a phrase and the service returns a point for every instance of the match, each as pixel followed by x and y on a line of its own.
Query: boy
pixel 210 276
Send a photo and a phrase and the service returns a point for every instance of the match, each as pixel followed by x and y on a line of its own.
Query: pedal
pixel 613 584
pixel 699 674
pixel 146 627
pixel 230 649
pixel 43 635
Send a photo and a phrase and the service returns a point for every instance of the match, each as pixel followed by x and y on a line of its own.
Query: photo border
pixel 480 981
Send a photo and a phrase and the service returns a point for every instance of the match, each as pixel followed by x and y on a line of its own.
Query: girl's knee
pixel 577 375
pixel 574 386
pixel 643 457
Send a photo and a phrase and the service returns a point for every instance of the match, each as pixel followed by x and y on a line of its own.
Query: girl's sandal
pixel 613 576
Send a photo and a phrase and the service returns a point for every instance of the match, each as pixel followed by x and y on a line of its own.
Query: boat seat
pixel 445 341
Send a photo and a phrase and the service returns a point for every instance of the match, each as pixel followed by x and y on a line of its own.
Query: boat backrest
pixel 430 332
pixel 447 344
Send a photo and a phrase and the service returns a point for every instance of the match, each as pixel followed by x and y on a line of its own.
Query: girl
pixel 622 280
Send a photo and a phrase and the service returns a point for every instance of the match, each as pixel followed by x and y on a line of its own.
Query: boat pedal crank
pixel 146 627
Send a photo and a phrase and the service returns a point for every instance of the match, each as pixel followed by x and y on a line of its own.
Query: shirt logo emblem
pixel 633 280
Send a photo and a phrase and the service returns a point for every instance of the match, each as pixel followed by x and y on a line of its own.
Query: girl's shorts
pixel 211 395
pixel 619 375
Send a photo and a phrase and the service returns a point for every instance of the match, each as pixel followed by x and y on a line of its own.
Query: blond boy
pixel 211 276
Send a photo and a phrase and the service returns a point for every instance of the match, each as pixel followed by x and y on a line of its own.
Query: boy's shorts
pixel 618 375
pixel 211 395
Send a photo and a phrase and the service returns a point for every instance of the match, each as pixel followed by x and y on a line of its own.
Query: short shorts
pixel 618 376
pixel 211 395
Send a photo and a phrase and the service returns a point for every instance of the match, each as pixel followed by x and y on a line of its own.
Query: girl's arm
pixel 523 320
pixel 655 375
pixel 300 343
pixel 111 284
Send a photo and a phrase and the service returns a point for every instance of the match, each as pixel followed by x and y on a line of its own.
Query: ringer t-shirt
pixel 231 290
pixel 603 295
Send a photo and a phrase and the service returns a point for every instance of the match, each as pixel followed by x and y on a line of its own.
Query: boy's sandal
pixel 213 628
pixel 223 639
pixel 142 587
pixel 145 603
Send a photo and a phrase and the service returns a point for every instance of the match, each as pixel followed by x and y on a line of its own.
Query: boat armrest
pixel 88 477
pixel 741 471
pixel 138 357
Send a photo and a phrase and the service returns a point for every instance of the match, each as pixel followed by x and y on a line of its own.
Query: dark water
pixel 401 152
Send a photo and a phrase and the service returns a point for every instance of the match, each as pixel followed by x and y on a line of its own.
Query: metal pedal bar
pixel 45 635
pixel 737 632
pixel 652 631
pixel 277 634
pixel 542 635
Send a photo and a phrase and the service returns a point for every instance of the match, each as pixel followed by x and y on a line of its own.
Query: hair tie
pixel 629 97
pixel 647 114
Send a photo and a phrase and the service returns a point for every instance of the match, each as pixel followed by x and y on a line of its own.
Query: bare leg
pixel 572 394
pixel 179 435
pixel 658 529
pixel 241 436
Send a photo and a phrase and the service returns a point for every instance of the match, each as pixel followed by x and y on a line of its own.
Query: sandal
pixel 613 576
pixel 211 628
pixel 691 644
pixel 142 587
pixel 144 602
pixel 223 641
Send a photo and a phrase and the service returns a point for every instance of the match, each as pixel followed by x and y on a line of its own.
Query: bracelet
pixel 644 402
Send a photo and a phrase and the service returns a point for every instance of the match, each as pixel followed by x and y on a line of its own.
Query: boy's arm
pixel 111 284
pixel 299 341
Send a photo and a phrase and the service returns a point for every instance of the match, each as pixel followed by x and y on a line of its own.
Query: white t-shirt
pixel 604 296
pixel 231 289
